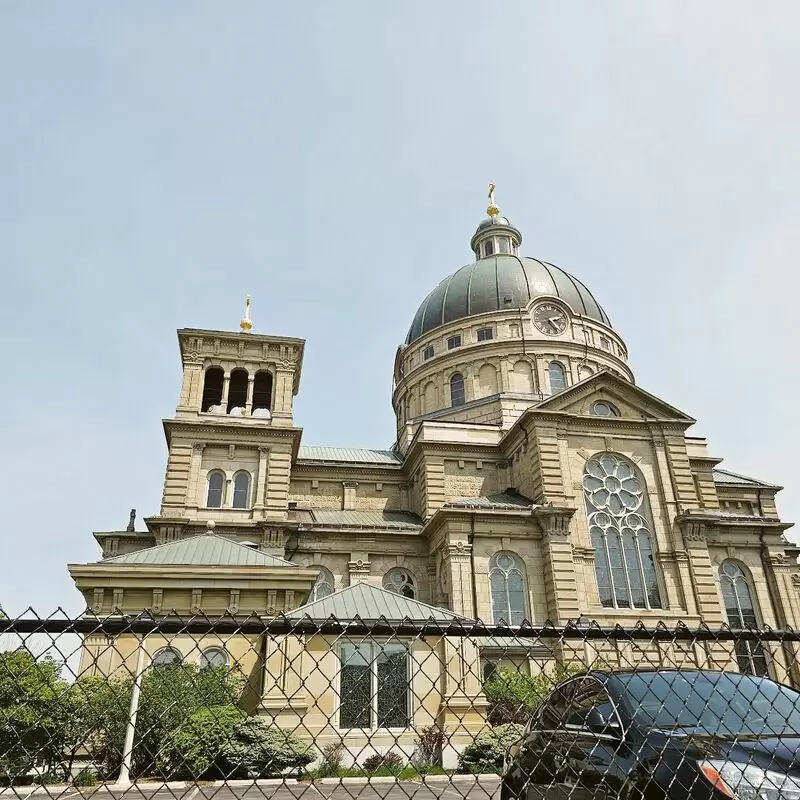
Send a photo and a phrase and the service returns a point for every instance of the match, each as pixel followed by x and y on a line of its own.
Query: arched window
pixel 507 582
pixel 457 394
pixel 558 378
pixel 262 392
pixel 741 613
pixel 621 527
pixel 213 658
pixel 216 489
pixel 401 582
pixel 241 490
pixel 212 388
pixel 167 657
pixel 323 587
pixel 237 390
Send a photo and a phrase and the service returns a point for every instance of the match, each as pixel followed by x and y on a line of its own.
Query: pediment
pixel 631 401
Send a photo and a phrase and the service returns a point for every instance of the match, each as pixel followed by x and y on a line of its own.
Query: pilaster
pixel 559 565
pixel 701 571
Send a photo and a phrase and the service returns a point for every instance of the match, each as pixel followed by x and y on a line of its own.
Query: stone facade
pixel 499 469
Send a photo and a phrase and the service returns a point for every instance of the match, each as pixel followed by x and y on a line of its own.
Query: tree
pixel 514 696
pixel 32 713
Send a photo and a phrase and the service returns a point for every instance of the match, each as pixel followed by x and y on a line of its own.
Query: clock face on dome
pixel 550 319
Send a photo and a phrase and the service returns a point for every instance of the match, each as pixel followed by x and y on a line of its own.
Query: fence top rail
pixel 116 625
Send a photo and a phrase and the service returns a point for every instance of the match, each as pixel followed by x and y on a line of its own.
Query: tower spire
pixel 246 324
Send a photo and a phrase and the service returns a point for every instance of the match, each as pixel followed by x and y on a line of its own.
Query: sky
pixel 159 161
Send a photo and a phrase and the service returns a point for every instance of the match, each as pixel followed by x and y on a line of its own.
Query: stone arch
pixel 584 372
pixel 521 377
pixel 487 380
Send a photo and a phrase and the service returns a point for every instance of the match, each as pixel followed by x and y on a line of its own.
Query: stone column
pixel 249 404
pixel 459 576
pixel 261 482
pixel 282 411
pixel 559 566
pixel 194 493
pixel 226 385
pixel 701 571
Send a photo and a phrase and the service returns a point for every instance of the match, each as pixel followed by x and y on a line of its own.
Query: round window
pixel 603 409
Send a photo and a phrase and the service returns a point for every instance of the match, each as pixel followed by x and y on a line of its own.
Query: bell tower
pixel 232 439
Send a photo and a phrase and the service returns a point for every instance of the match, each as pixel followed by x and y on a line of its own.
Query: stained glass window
pixel 741 613
pixel 401 582
pixel 507 582
pixel 620 527
pixel 323 586
pixel 374 686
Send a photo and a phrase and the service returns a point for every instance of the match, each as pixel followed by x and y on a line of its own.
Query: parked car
pixel 682 734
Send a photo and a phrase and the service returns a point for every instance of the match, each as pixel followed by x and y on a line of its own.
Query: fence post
pixel 124 778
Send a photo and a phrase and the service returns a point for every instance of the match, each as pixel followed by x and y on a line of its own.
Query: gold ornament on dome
pixel 492 210
pixel 246 324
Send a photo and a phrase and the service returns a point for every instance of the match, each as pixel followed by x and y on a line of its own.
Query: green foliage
pixel 389 761
pixel 32 714
pixel 194 751
pixel 486 751
pixel 170 697
pixel 85 777
pixel 332 756
pixel 259 749
pixel 514 696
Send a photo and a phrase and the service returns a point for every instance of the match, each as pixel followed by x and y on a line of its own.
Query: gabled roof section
pixel 348 455
pixel 632 400
pixel 508 500
pixel 725 476
pixel 370 603
pixel 364 519
pixel 207 549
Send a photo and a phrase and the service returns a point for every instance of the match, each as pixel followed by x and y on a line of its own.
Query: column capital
pixel 553 522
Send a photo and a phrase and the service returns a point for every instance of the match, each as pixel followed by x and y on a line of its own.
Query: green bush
pixel 514 696
pixel 194 751
pixel 258 749
pixel 387 761
pixel 85 777
pixel 486 751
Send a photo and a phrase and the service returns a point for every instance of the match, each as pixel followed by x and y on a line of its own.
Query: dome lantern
pixel 495 234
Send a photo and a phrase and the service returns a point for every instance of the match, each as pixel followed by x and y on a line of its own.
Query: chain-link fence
pixel 347 708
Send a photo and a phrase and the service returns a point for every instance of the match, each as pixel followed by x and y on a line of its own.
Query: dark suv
pixel 680 734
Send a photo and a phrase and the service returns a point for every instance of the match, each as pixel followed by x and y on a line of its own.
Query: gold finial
pixel 493 210
pixel 246 324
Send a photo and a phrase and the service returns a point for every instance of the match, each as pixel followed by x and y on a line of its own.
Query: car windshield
pixel 711 703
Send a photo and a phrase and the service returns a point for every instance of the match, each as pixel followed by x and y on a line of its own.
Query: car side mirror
pixel 596 722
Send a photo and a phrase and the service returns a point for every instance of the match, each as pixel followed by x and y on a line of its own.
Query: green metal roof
pixel 510 500
pixel 371 603
pixel 725 476
pixel 352 455
pixel 366 519
pixel 208 549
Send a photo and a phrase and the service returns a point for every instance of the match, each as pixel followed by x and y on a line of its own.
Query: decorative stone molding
pixel 693 531
pixel 583 555
pixel 117 598
pixel 272 602
pixel 274 539
pixel 197 601
pixel 458 551
pixel 553 522
pixel 192 357
pixel 233 601
pixel 672 557
pixel 98 598
pixel 779 562
pixel 158 600
pixel 358 570
pixel 796 582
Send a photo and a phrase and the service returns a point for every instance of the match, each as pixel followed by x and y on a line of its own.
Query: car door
pixel 596 760
pixel 543 752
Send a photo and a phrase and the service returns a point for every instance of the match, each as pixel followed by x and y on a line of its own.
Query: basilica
pixel 531 479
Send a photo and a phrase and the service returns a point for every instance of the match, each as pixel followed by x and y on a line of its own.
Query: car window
pixel 716 703
pixel 589 693
pixel 556 706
